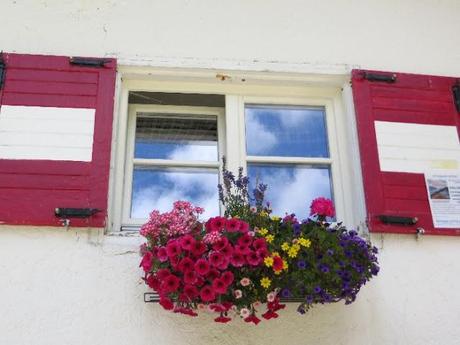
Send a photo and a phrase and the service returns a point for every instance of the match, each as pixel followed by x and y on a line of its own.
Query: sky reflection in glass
pixel 286 131
pixel 176 138
pixel 291 188
pixel 159 188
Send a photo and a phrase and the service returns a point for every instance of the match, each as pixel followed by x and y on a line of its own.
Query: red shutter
pixel 31 189
pixel 399 98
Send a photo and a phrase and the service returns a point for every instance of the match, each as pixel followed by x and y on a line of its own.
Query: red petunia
pixel 223 265
pixel 233 225
pixel 222 319
pixel 245 240
pixel 153 282
pixel 207 294
pixel 227 251
pixel 186 264
pixel 277 263
pixel 253 259
pixel 200 281
pixel 162 255
pixel 190 277
pixel 262 252
pixel 228 277
pixel 213 274
pixel 215 258
pixel 237 260
pixel 191 291
pixel 173 248
pixel 198 248
pixel 269 314
pixel 166 303
pixel 215 224
pixel 242 249
pixel 259 243
pixel 163 273
pixel 147 261
pixel 244 227
pixel 252 318
pixel 220 244
pixel 202 267
pixel 219 286
pixel 170 284
pixel 187 242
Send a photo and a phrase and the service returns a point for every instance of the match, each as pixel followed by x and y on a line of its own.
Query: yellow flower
pixel 296 247
pixel 268 261
pixel 263 214
pixel 265 282
pixel 263 231
pixel 292 253
pixel 269 238
pixel 305 242
pixel 285 246
pixel 276 218
pixel 275 254
pixel 285 265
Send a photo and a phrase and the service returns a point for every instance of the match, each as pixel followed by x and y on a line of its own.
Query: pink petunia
pixel 228 277
pixel 245 240
pixel 227 251
pixel 198 248
pixel 253 259
pixel 170 284
pixel 233 225
pixel 186 264
pixel 187 242
pixel 147 261
pixel 166 303
pixel 220 244
pixel 191 291
pixel 213 274
pixel 190 277
pixel 259 243
pixel 173 248
pixel 163 273
pixel 219 286
pixel 162 255
pixel 237 260
pixel 215 259
pixel 244 227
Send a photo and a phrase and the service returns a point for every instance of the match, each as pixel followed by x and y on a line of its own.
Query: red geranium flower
pixel 219 286
pixel 190 277
pixel 277 263
pixel 146 262
pixel 253 259
pixel 237 259
pixel 233 225
pixel 228 277
pixel 173 248
pixel 166 303
pixel 186 264
pixel 187 242
pixel 170 284
pixel 207 294
pixel 202 267
pixel 322 207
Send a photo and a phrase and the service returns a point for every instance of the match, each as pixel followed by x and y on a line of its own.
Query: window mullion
pixel 288 160
pixel 174 163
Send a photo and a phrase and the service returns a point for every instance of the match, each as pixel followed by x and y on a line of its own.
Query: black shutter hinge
pixel 2 71
pixel 456 93
pixel 88 62
pixel 397 220
pixel 385 78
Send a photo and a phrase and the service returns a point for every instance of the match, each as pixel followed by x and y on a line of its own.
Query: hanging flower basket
pixel 243 264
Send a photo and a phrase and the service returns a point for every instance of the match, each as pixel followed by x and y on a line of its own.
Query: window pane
pixel 291 188
pixel 286 131
pixel 159 188
pixel 176 137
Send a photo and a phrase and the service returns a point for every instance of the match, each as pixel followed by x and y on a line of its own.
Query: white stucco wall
pixel 81 287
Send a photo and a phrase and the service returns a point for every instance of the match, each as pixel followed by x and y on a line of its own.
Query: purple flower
pixel 330 252
pixel 375 269
pixel 286 293
pixel 309 299
pixel 301 264
pixel 317 289
pixel 324 268
pixel 301 309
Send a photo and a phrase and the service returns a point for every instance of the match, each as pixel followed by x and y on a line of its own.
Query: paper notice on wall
pixel 443 189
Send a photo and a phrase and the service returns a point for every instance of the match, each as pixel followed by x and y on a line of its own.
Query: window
pixel 171 143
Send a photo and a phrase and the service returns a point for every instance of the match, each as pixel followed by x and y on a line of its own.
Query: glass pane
pixel 159 188
pixel 291 188
pixel 286 131
pixel 176 137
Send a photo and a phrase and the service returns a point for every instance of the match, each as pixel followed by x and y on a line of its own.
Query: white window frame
pixel 265 89
pixel 131 161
